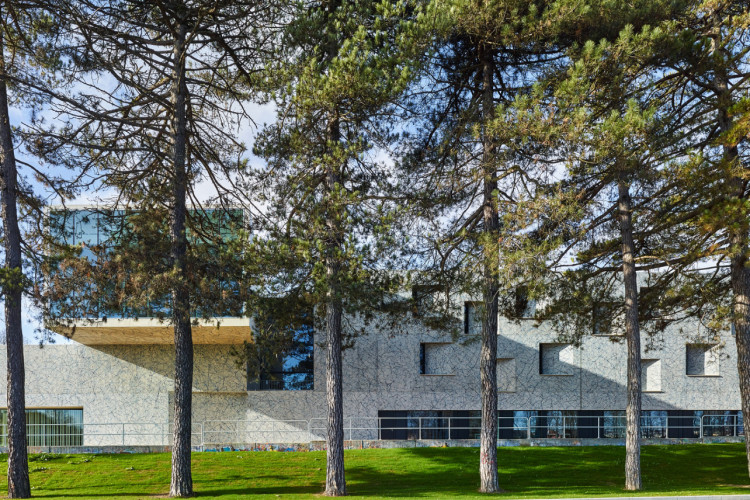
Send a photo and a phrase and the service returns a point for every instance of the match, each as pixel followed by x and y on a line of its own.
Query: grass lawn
pixel 400 473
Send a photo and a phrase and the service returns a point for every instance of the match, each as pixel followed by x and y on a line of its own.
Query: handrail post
pixel 123 434
pixel 598 427
pixel 700 432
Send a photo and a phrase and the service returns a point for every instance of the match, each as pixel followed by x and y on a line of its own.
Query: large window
pixel 602 316
pixel 429 424
pixel 613 424
pixel 523 306
pixel 424 299
pixel 722 423
pixel 142 240
pixel 576 424
pixel 651 375
pixel 281 355
pixel 473 314
pixel 653 423
pixel 558 424
pixel 515 424
pixel 48 427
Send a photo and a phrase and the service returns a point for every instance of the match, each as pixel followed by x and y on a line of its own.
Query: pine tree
pixel 700 73
pixel 690 71
pixel 454 165
pixel 595 233
pixel 27 55
pixel 476 126
pixel 328 221
pixel 458 171
pixel 180 73
pixel 18 468
pixel 612 128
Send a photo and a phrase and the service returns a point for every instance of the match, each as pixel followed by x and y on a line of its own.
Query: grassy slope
pixel 418 473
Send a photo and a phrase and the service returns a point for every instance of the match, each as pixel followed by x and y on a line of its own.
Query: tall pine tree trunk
pixel 740 274
pixel 335 478
pixel 633 338
pixel 738 234
pixel 18 467
pixel 488 353
pixel 182 480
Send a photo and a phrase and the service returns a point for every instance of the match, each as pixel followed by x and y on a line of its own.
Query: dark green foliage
pixel 126 272
pixel 345 66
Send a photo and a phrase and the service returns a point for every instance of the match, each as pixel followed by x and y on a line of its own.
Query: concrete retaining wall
pixel 375 444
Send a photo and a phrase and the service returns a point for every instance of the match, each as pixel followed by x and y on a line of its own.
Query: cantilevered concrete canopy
pixel 152 331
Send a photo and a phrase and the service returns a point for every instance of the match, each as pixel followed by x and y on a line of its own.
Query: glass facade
pixel 97 232
pixel 281 356
pixel 515 424
pixel 521 424
pixel 613 424
pixel 429 424
pixel 654 423
pixel 48 427
pixel 722 423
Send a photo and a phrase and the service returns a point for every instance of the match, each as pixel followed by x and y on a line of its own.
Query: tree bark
pixel 741 304
pixel 18 467
pixel 738 235
pixel 488 352
pixel 335 477
pixel 633 338
pixel 182 480
pixel 740 274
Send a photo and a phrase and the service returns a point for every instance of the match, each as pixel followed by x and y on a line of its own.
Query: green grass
pixel 398 473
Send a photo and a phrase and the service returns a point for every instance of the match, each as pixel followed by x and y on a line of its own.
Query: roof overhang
pixel 145 331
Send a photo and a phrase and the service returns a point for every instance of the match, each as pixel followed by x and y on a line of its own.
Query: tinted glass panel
pixel 89 228
pixel 48 427
pixel 281 358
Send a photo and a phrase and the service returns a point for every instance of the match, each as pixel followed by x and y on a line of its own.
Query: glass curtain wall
pixel 48 427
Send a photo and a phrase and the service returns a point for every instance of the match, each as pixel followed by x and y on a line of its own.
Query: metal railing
pixel 112 434
pixel 239 432
pixel 721 426
pixel 448 428
pixel 236 433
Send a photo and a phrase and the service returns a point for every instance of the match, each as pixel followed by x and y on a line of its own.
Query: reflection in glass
pixel 48 427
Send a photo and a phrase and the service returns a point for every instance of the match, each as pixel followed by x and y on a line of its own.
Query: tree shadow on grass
pixel 202 492
pixel 546 472
pixel 453 472
pixel 276 490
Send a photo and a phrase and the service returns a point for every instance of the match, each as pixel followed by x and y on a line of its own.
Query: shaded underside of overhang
pixel 146 331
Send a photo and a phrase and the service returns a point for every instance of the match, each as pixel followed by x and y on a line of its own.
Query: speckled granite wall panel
pixel 128 384
pixel 132 384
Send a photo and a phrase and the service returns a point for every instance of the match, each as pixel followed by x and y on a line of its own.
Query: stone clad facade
pixel 407 383
pixel 124 391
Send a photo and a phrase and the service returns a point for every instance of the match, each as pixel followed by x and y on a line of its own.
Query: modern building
pixel 112 386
